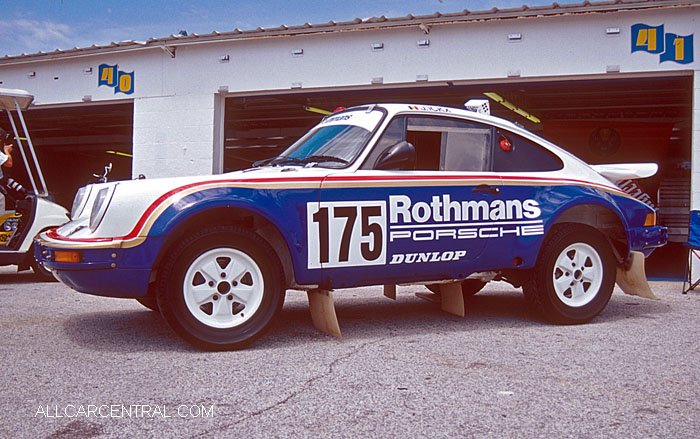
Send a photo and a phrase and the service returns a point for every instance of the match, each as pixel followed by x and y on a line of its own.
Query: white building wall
pixel 173 135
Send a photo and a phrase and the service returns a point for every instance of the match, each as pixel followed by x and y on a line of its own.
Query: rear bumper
pixel 647 239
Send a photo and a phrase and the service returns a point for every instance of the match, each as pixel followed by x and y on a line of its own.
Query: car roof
pixel 437 110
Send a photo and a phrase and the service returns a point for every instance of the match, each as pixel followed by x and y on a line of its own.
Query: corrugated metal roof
pixel 382 22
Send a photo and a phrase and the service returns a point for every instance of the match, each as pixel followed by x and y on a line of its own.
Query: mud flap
pixel 390 291
pixel 322 311
pixel 429 297
pixel 452 298
pixel 632 279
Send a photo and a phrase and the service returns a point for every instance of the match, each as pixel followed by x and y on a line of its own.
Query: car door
pixel 426 224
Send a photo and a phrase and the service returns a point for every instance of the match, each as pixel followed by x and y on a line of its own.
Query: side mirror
pixel 401 156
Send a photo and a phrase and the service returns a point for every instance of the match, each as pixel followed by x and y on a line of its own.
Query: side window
pixel 513 153
pixel 449 144
pixel 395 132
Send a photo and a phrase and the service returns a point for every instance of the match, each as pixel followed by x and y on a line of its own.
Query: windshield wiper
pixel 324 158
pixel 263 162
pixel 280 160
pixel 303 160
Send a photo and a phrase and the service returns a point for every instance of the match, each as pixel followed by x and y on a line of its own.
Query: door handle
pixel 486 189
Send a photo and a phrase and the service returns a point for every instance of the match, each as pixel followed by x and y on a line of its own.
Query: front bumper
pixel 647 239
pixel 112 272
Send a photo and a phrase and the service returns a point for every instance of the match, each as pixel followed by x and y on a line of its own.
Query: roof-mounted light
pixel 481 106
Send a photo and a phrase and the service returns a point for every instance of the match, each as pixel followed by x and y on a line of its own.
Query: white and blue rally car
pixel 373 195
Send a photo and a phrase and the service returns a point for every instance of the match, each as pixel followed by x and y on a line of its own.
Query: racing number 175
pixel 343 234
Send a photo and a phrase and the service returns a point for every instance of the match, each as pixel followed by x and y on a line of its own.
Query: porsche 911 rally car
pixel 373 195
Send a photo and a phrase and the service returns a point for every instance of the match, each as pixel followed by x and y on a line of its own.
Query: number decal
pixel 350 213
pixel 321 218
pixel 338 238
pixel 372 252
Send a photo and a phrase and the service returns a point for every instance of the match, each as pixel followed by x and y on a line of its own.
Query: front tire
pixel 220 288
pixel 574 276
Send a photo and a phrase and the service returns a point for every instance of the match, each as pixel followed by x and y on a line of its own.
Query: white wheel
pixel 574 275
pixel 223 288
pixel 578 274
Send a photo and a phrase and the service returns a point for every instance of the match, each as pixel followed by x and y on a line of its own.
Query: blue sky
pixel 30 26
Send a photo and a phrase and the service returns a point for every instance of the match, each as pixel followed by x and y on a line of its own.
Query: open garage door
pixel 602 119
pixel 74 142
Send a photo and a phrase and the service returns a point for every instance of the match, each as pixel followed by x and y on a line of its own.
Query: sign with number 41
pixel 670 47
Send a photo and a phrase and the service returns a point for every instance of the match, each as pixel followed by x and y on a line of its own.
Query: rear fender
pixel 604 219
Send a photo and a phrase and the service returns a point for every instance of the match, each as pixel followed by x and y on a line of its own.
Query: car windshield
pixel 335 142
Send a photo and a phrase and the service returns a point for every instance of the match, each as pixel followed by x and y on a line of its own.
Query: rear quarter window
pixel 513 153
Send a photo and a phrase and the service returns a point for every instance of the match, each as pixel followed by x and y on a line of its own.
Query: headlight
pixel 80 201
pixel 99 208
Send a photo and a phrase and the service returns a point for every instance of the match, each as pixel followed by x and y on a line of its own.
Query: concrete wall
pixel 173 135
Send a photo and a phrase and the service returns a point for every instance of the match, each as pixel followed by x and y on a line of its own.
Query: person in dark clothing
pixel 17 190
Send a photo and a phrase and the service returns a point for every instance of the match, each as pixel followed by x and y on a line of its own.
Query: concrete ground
pixel 78 366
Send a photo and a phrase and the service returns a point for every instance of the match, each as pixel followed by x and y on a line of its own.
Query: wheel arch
pixel 225 215
pixel 601 218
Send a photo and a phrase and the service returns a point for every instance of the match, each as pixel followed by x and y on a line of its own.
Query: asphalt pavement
pixel 78 366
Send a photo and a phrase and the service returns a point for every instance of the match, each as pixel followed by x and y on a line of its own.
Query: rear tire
pixel 220 288
pixel 574 276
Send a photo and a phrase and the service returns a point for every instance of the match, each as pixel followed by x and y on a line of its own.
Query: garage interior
pixel 615 119
pixel 74 142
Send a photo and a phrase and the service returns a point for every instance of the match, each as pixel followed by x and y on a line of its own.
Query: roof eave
pixel 374 23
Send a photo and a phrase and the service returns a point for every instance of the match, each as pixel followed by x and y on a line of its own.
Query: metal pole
pixel 21 148
pixel 44 191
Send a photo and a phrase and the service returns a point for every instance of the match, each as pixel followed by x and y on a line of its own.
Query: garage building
pixel 611 81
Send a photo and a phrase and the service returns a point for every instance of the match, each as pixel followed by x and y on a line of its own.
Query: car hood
pixel 131 200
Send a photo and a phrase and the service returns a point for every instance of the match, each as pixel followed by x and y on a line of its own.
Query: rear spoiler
pixel 626 171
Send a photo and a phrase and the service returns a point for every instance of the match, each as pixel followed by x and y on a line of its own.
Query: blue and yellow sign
pixel 669 47
pixel 111 76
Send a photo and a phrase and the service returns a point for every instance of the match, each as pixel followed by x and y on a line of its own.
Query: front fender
pixel 283 210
